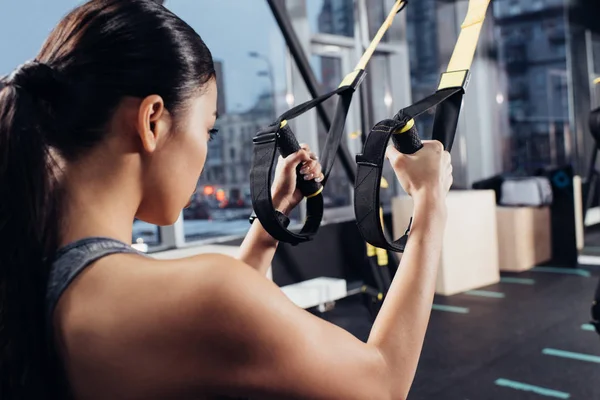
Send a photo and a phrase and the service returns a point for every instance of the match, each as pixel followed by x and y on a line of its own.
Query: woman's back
pixel 129 327
pixel 104 313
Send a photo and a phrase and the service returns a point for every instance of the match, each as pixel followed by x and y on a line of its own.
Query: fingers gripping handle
pixel 407 140
pixel 288 144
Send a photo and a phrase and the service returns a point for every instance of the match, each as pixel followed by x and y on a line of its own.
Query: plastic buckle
pixel 264 138
pixel 360 77
pixel 362 160
pixel 454 79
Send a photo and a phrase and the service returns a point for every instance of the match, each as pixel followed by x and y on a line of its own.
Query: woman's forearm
pixel 258 248
pixel 400 327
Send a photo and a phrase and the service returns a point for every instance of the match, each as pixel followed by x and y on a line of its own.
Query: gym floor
pixel 525 338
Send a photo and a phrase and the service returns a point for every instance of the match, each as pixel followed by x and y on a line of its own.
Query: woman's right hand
pixel 426 173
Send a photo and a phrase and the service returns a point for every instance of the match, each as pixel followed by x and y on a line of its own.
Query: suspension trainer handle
pixel 407 139
pixel 288 144
pixel 279 136
pixel 402 129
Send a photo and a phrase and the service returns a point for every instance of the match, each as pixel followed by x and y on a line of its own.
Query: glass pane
pixel 335 17
pixel 422 36
pixel 37 18
pixel 377 12
pixel 380 103
pixel 251 70
pixel 145 233
pixel 532 53
pixel 596 52
pixel 328 71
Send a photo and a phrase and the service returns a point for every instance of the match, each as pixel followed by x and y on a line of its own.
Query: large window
pixel 532 50
pixel 250 57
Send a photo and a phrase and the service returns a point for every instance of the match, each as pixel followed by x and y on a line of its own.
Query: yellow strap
pixel 596 81
pixel 370 250
pixel 364 60
pixel 464 51
pixel 382 257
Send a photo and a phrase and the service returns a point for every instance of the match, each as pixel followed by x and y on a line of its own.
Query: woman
pixel 111 123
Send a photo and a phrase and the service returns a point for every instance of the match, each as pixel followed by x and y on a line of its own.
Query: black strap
pixel 370 162
pixel 596 310
pixel 279 136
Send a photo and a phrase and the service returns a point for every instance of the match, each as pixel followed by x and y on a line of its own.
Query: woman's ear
pixel 153 122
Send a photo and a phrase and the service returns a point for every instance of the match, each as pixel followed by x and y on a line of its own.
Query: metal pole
pixel 295 47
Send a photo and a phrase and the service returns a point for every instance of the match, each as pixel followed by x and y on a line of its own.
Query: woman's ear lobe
pixel 151 110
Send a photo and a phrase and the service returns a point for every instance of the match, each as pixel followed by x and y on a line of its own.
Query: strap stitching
pixel 372 169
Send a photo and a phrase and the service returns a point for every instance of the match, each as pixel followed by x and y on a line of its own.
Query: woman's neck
pixel 99 199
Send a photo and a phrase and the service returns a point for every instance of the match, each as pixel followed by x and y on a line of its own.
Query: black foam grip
pixel 288 144
pixel 407 142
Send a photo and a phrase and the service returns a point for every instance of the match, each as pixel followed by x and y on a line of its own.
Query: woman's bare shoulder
pixel 135 289
pixel 126 316
pixel 209 324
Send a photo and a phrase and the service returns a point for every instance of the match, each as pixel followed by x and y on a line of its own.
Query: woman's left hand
pixel 284 192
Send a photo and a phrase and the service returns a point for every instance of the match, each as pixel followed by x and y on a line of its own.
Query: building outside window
pixel 252 87
pixel 537 77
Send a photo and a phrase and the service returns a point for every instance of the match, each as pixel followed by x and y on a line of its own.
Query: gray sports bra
pixel 72 259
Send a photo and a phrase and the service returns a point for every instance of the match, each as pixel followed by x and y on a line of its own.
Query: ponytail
pixel 27 232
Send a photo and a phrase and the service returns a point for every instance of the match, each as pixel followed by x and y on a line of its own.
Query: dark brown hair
pixel 60 104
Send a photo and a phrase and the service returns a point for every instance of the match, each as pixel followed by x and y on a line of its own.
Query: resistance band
pixel 279 136
pixel 401 128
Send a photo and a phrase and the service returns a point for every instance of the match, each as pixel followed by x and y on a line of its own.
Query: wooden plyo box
pixel 524 237
pixel 469 257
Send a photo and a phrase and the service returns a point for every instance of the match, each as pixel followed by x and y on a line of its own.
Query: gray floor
pixel 528 342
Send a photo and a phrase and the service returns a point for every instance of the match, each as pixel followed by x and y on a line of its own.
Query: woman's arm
pixel 241 336
pixel 258 248
pixel 234 333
